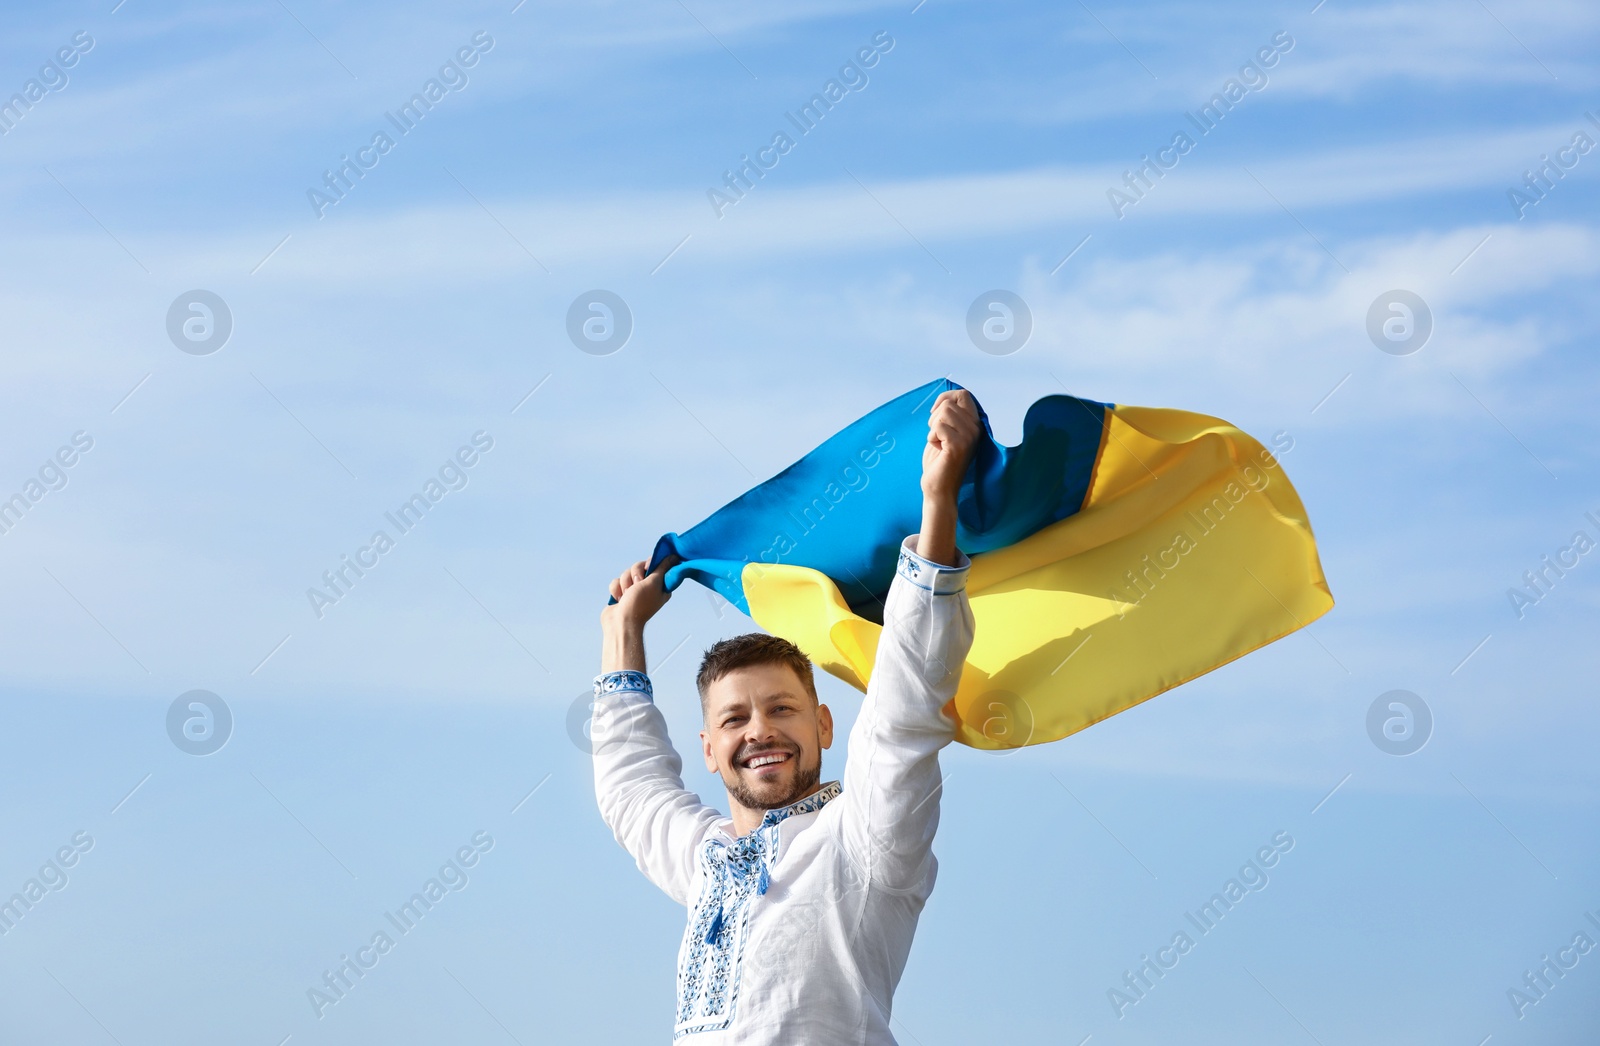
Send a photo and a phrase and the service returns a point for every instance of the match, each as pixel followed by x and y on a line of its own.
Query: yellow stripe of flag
pixel 1191 549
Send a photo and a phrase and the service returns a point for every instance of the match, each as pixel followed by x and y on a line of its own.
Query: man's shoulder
pixel 814 830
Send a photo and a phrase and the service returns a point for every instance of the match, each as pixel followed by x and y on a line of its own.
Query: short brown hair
pixel 752 648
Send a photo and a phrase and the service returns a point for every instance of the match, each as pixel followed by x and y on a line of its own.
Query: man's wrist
pixel 622 647
pixel 936 541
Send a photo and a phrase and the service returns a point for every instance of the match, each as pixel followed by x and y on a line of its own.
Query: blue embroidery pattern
pixel 940 580
pixel 713 942
pixel 624 679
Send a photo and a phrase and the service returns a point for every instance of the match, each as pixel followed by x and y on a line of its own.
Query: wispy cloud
pixel 632 229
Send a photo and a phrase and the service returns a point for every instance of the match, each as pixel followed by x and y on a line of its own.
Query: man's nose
pixel 760 729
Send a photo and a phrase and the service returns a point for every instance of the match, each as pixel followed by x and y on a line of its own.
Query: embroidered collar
pixel 810 804
pixel 737 868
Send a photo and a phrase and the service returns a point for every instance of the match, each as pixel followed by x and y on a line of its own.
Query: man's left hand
pixel 953 430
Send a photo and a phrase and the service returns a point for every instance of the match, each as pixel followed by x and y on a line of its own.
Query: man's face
pixel 764 735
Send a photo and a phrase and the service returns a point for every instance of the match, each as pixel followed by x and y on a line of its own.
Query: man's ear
pixel 825 725
pixel 705 745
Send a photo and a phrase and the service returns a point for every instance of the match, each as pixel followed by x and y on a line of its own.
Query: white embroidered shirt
pixel 799 931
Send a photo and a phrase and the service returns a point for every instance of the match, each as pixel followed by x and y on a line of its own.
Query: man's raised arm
pixel 638 780
pixel 892 781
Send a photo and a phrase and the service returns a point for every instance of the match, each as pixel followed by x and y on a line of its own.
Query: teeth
pixel 763 760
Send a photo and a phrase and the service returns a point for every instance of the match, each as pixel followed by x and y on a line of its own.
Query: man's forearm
pixel 936 540
pixel 622 648
pixel 892 779
pixel 636 595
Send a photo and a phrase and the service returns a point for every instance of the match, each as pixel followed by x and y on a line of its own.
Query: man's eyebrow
pixel 734 704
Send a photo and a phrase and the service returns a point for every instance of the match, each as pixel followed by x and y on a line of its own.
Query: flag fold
pixel 1117 552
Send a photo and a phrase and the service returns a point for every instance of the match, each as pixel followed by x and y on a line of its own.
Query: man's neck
pixel 747 819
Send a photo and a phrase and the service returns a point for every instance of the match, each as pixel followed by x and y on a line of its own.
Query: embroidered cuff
pixel 624 679
pixel 937 578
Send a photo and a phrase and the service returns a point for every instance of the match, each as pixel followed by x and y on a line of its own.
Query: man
pixel 803 901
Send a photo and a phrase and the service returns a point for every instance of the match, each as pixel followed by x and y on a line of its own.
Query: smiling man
pixel 803 900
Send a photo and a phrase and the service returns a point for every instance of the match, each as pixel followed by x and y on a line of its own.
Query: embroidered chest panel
pixel 733 875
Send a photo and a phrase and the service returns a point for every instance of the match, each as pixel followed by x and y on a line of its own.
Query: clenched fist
pixel 953 430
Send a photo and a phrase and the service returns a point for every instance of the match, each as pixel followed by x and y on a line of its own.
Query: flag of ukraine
pixel 1116 552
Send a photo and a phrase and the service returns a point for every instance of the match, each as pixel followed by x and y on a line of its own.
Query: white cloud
pixel 1446 44
pixel 263 78
pixel 356 245
pixel 1342 52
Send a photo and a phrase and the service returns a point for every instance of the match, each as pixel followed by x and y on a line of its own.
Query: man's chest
pixel 761 915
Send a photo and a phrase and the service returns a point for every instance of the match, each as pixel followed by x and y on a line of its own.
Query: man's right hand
pixel 953 431
pixel 638 596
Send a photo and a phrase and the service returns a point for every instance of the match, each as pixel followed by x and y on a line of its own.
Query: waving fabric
pixel 1116 552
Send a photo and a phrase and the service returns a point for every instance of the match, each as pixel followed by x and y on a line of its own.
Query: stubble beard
pixel 805 782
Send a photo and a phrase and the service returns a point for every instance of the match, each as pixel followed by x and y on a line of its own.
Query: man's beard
pixel 805 782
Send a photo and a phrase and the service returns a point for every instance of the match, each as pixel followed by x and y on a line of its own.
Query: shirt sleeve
pixel 892 780
pixel 638 784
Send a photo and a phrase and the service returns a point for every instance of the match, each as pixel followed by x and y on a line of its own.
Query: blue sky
pixel 432 701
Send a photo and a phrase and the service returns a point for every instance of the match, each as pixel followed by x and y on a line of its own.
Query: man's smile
pixel 766 763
